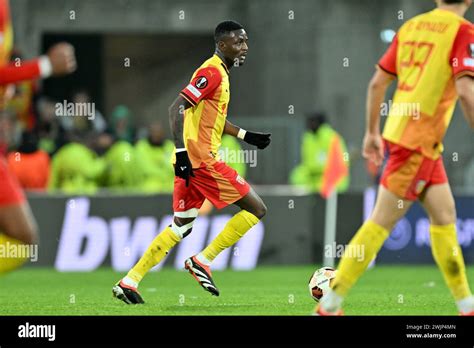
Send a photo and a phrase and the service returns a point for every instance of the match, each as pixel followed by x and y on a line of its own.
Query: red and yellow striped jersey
pixel 209 94
pixel 428 53
pixel 11 72
pixel 6 33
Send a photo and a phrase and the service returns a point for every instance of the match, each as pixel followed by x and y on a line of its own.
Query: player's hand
pixel 373 148
pixel 183 167
pixel 260 140
pixel 62 58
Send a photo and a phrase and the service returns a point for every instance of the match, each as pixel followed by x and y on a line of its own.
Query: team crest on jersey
pixel 420 185
pixel 201 82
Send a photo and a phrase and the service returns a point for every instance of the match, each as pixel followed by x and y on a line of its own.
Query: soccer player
pixel 198 121
pixel 17 224
pixel 432 57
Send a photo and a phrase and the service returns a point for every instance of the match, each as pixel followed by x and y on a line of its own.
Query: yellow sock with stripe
pixel 235 228
pixel 368 240
pixel 9 263
pixel 157 250
pixel 448 255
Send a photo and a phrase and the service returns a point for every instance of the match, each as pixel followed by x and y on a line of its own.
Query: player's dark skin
pixel 232 49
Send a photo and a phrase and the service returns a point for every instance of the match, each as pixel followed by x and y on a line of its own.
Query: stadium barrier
pixel 84 233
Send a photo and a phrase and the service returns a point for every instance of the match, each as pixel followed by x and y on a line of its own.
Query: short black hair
pixel 224 28
pixel 452 1
pixel 317 117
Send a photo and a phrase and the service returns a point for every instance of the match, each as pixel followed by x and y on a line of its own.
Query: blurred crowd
pixel 82 153
pixel 54 145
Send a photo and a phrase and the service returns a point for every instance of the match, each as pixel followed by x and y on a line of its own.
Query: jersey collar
pixel 443 11
pixel 222 63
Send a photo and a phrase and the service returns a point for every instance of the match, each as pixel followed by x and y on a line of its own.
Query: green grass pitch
pixel 383 290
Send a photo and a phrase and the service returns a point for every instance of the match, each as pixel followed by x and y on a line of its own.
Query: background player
pixel 17 224
pixel 432 57
pixel 199 172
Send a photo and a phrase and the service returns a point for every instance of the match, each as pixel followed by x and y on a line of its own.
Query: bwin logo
pixel 86 240
pixel 37 331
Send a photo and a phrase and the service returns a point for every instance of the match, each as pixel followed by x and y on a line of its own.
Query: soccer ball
pixel 320 282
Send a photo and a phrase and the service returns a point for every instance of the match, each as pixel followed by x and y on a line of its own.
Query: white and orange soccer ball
pixel 320 282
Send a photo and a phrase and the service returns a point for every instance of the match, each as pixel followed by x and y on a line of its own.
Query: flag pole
pixel 330 225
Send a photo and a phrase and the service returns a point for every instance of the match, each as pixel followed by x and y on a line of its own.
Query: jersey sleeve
pixel 11 73
pixel 202 85
pixel 388 62
pixel 462 54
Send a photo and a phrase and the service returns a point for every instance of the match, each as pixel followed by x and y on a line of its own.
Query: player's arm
pixel 462 60
pixel 375 96
pixel 260 140
pixel 183 167
pixel 386 72
pixel 176 118
pixel 465 90
pixel 373 145
pixel 59 60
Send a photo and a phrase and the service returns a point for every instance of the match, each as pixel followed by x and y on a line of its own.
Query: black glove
pixel 183 167
pixel 260 140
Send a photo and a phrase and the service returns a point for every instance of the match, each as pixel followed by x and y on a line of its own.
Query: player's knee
pixel 387 222
pixel 445 216
pixel 182 227
pixel 261 211
pixel 28 234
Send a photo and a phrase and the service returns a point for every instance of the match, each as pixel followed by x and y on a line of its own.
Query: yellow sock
pixel 368 240
pixel 9 263
pixel 448 256
pixel 157 250
pixel 235 228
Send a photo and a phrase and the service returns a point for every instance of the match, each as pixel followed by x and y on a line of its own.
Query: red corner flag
pixel 336 168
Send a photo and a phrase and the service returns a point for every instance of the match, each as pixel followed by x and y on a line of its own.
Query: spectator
pixel 82 122
pixel 315 148
pixel 30 164
pixel 155 153
pixel 124 168
pixel 121 127
pixel 50 132
pixel 76 169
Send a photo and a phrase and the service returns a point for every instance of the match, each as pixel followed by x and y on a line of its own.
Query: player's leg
pixel 17 228
pixel 401 181
pixel 17 224
pixel 439 204
pixel 253 210
pixel 223 186
pixel 389 208
pixel 206 208
pixel 253 204
pixel 186 204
